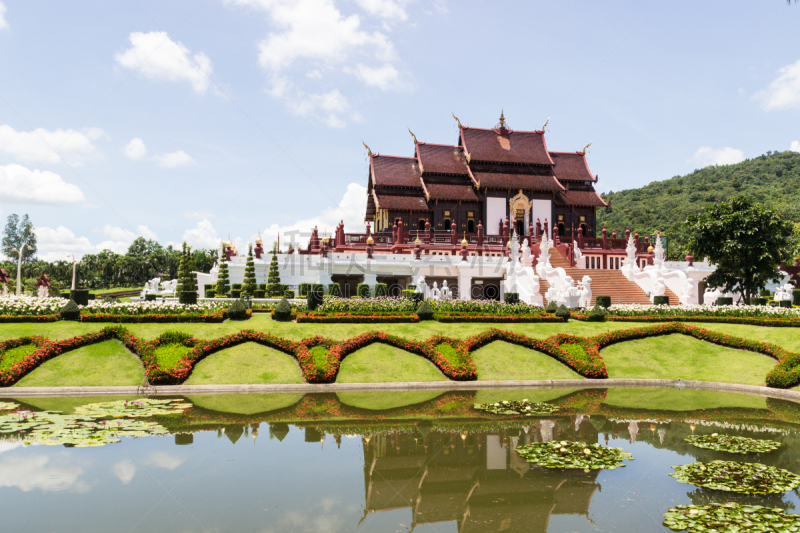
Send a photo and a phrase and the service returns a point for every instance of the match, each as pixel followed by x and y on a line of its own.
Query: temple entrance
pixel 485 289
pixel 519 208
pixel 470 226
pixel 393 285
pixel 347 284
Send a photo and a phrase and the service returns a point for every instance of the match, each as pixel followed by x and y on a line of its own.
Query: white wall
pixel 495 212
pixel 542 209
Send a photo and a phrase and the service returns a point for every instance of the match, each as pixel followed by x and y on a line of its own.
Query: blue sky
pixel 199 119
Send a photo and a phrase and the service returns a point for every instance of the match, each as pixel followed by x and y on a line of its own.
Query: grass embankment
pixel 379 363
pixel 502 360
pixel 244 364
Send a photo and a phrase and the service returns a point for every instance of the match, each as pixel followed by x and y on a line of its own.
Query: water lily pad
pixel 747 478
pixel 730 518
pixel 8 406
pixel 564 454
pixel 732 444
pixel 523 407
pixel 144 407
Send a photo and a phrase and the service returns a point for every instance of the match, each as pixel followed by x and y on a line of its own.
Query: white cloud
pixel 3 23
pixel 37 472
pixel 55 243
pixel 784 91
pixel 795 147
pixel 385 77
pixel 38 145
pixel 707 156
pixel 203 236
pixel 125 470
pixel 388 9
pixel 158 57
pixel 174 159
pixel 135 149
pixel 20 184
pixel 331 106
pixel 165 460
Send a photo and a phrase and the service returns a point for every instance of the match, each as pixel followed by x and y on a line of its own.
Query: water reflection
pixel 388 463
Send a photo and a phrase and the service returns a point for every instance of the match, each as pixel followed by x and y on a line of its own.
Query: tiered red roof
pixel 492 145
pixel 571 166
pixel 392 171
pixel 440 191
pixel 499 180
pixel 585 198
pixel 403 203
pixel 441 159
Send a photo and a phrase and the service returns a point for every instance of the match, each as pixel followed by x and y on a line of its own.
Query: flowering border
pixel 750 321
pixel 8 319
pixel 352 318
pixel 486 317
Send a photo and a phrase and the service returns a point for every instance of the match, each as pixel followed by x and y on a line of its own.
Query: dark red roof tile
pixel 571 166
pixel 527 147
pixel 440 191
pixel 585 198
pixel 405 203
pixel 441 159
pixel 395 171
pixel 498 180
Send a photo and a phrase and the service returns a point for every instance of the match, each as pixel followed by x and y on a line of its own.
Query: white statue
pixel 535 287
pixel 660 288
pixel 435 292
pixel 169 286
pixel 585 298
pixel 689 292
pixel 629 263
pixel 446 294
pixel 5 290
pixel 658 253
pixel 42 292
pixel 711 295
pixel 580 262
pixel 420 285
pixel 784 293
pixel 526 250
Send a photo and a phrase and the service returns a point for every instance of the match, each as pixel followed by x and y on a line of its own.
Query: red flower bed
pixel 351 318
pixel 776 322
pixel 216 317
pixel 486 317
pixel 8 319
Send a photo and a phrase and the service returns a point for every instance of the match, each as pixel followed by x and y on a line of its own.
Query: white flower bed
pixel 703 310
pixel 30 305
pixel 151 308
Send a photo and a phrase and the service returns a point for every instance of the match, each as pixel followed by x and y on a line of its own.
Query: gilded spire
pixel 259 241
pixel 455 117
pixel 587 146
pixel 367 147
pixel 546 122
pixel 414 136
pixel 502 119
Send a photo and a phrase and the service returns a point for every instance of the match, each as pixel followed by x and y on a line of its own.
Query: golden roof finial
pixel 367 147
pixel 502 119
pixel 587 146
pixel 464 241
pixel 370 240
pixel 417 241
pixel 412 134
pixel 259 241
pixel 455 117
pixel 546 122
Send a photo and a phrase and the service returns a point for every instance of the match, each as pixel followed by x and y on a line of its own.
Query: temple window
pixel 421 224
pixel 470 226
pixel 447 223
pixel 561 230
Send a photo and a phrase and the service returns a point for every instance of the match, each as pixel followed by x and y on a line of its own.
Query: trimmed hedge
pixel 425 311
pixel 315 295
pixel 603 301
pixel 149 297
pixel 351 318
pixel 725 300
pixel 551 308
pixel 288 294
pixel 563 313
pixel 596 314
pixel 70 311
pixel 236 293
pixel 211 293
pixel 334 289
pixel 238 311
pixel 381 289
pixel 235 286
pixel 786 303
pixel 283 311
pixel 796 296
pixel 79 296
pixel 302 289
pixel 187 297
pixel 758 301
pixel 362 290
pixel 511 297
pixel 660 300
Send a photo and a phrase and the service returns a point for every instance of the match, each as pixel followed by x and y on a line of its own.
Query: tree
pixel 274 287
pixel 16 233
pixel 744 240
pixel 223 286
pixel 249 285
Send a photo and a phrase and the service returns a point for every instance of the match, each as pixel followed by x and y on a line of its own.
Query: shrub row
pixel 9 319
pixel 350 318
pixel 479 317
pixel 774 322
pixel 209 318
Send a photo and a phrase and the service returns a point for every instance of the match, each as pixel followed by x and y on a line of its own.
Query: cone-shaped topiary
pixel 70 311
pixel 181 270
pixel 315 295
pixel 551 308
pixel 563 312
pixel 603 301
pixel 425 311
pixel 237 311
pixel 596 314
pixel 283 311
pixel 274 287
pixel 223 278
pixel 249 286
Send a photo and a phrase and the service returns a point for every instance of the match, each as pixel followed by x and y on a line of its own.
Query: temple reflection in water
pixel 476 479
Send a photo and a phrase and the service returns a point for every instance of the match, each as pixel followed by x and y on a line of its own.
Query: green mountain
pixel 773 179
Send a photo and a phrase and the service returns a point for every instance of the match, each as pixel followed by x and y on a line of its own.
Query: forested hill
pixel 772 179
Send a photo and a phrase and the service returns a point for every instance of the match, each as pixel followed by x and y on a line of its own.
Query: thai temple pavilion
pixel 488 176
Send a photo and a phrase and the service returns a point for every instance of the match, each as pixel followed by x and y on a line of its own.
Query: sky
pixel 202 119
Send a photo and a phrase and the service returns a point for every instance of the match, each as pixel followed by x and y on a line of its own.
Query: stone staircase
pixel 604 283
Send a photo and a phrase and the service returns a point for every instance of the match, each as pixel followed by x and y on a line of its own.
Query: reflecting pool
pixel 368 461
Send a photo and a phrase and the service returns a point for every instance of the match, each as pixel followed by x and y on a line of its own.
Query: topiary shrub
pixel 149 297
pixel 407 293
pixel 660 300
pixel 302 290
pixel 381 289
pixel 765 293
pixel 758 301
pixel 283 311
pixel 725 300
pixel 79 296
pixel 511 297
pixel 210 293
pixel 596 314
pixel 235 286
pixel 551 308
pixel 603 301
pixel 362 290
pixel 288 293
pixel 786 303
pixel 70 311
pixel 315 295
pixel 187 297
pixel 260 293
pixel 796 297
pixel 334 290
pixel 563 313
pixel 207 287
pixel 425 311
pixel 237 311
pixel 236 293
pixel 411 286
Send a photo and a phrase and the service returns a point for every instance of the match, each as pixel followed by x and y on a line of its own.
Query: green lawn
pixel 681 357
pixel 502 360
pixel 379 363
pixel 10 357
pixel 246 363
pixel 787 338
pixel 680 399
pixel 106 363
pixel 244 404
pixel 534 395
pixel 378 400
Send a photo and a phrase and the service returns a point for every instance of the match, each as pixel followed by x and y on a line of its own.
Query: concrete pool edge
pixel 402 386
